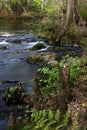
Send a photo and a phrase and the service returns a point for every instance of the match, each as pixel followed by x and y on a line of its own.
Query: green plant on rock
pixel 69 60
pixel 50 81
pixel 14 95
pixel 73 64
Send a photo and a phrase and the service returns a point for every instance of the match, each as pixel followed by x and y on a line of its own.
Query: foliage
pixel 47 120
pixel 75 122
pixel 83 11
pixel 76 67
pixel 37 5
pixel 74 72
pixel 56 6
pixel 83 8
pixel 50 82
pixel 66 61
pixel 20 6
pixel 14 95
pixel 53 20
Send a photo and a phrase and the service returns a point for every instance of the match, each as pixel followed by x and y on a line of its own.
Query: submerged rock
pixel 43 58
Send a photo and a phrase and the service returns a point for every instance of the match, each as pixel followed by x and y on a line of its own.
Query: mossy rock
pixel 14 95
pixel 38 46
pixel 43 58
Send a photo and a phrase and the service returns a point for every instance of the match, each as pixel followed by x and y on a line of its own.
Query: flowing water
pixel 13 52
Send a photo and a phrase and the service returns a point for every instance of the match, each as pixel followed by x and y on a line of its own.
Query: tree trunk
pixel 72 15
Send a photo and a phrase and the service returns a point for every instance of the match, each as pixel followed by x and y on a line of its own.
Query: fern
pixel 66 119
pixel 59 126
pixel 42 116
pixel 57 115
pixel 44 122
pixel 40 119
pixel 75 122
pixel 49 124
pixel 50 114
pixel 51 82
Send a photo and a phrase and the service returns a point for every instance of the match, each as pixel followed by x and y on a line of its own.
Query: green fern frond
pixel 57 115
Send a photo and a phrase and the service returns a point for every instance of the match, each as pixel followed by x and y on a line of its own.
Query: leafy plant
pixel 75 122
pixel 50 81
pixel 74 72
pixel 73 64
pixel 47 120
pixel 37 5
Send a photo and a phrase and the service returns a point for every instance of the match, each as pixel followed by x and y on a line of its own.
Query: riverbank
pixel 60 89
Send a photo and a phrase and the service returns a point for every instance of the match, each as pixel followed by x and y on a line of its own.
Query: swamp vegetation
pixel 59 97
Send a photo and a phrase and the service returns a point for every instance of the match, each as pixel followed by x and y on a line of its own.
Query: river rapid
pixel 13 51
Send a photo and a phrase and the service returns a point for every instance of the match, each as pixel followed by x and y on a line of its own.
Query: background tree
pixel 73 13
pixel 72 16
